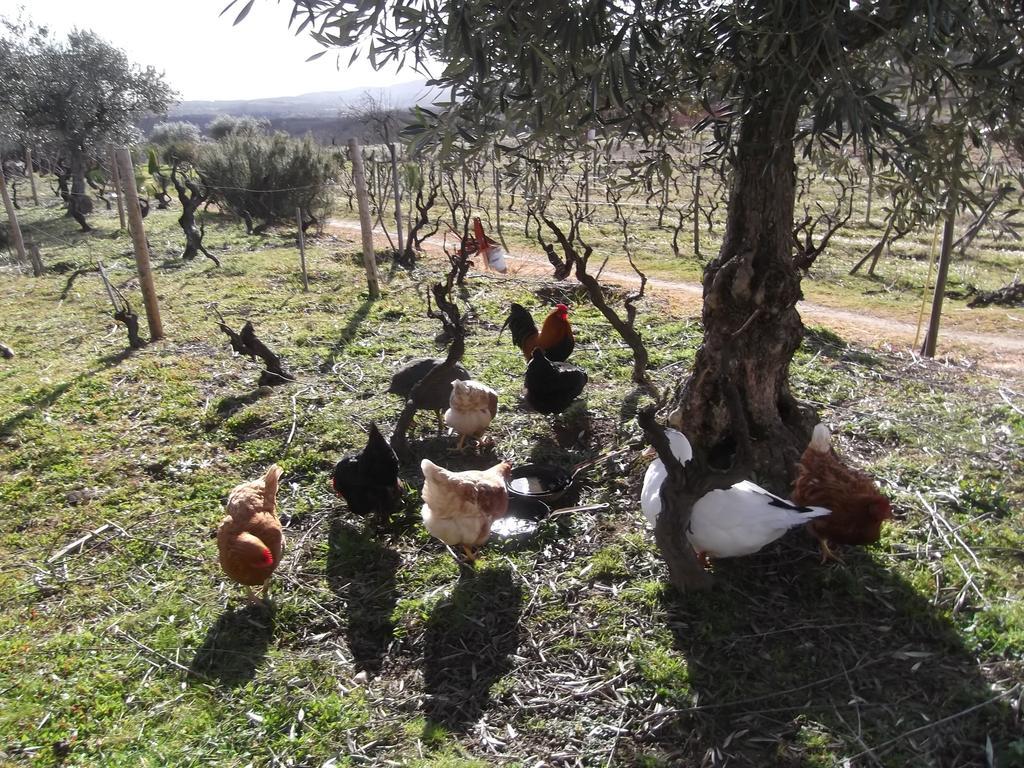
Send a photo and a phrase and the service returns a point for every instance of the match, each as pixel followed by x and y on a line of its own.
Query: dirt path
pixel 1004 352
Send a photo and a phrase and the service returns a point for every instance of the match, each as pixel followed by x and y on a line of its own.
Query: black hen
pixel 551 387
pixel 436 396
pixel 368 479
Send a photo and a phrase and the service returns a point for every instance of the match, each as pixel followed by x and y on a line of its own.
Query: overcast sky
pixel 203 56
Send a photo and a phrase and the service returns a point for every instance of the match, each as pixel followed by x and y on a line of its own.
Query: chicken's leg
pixel 462 440
pixel 827 553
pixel 469 553
pixel 265 595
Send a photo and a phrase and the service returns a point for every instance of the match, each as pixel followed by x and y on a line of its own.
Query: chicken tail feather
pixel 270 483
pixel 821 439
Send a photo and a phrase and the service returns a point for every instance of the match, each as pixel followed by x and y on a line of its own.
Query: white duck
pixel 731 522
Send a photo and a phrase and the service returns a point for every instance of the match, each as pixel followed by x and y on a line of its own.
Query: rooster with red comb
pixel 555 336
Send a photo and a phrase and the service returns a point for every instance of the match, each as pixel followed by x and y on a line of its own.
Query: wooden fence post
pixel 19 242
pixel 124 163
pixel 696 201
pixel 369 257
pixel 302 250
pixel 31 175
pixel 398 194
pixel 931 338
pixel 871 191
pixel 117 186
pixel 497 204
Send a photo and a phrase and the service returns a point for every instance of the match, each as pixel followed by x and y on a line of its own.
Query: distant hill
pixel 320 112
pixel 318 104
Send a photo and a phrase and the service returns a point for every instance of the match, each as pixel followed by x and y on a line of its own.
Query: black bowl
pixel 553 482
pixel 526 508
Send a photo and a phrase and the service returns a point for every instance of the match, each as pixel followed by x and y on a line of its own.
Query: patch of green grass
pixel 666 672
pixel 608 564
pixel 130 649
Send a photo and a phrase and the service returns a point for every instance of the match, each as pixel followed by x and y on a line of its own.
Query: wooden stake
pixel 945 256
pixel 871 190
pixel 149 298
pixel 34 258
pixel 31 175
pixel 369 258
pixel 696 202
pixel 302 250
pixel 19 243
pixel 497 205
pixel 117 186
pixel 398 194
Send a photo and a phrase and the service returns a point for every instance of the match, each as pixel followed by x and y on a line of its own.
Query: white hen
pixel 460 507
pixel 731 522
pixel 472 407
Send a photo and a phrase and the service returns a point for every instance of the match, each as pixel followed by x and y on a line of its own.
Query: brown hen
pixel 858 509
pixel 249 538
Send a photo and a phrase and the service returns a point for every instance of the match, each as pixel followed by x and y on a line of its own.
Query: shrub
pixel 268 177
pixel 176 141
pixel 225 125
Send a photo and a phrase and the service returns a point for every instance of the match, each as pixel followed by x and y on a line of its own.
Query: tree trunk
pixel 63 176
pixel 79 203
pixel 751 326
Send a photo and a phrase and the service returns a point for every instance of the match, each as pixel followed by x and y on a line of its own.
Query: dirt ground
pixel 1003 353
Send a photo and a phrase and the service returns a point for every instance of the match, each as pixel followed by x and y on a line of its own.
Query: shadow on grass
pixel 631 405
pixel 440 449
pixel 794 664
pixel 229 405
pixel 348 335
pixel 470 639
pixel 361 571
pixel 235 645
pixel 572 429
pixel 828 344
pixel 45 397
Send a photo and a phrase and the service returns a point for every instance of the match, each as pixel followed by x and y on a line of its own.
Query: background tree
pixel 177 140
pixel 161 179
pixel 773 76
pixel 82 93
pixel 225 125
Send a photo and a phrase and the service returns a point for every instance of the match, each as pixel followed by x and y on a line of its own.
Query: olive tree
pixel 772 77
pixel 79 93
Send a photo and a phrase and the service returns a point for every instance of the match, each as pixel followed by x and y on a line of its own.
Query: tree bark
pixel 79 203
pixel 751 326
pixel 191 196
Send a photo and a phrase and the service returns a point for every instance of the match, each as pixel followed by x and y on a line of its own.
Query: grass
pixel 902 281
pixel 563 648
